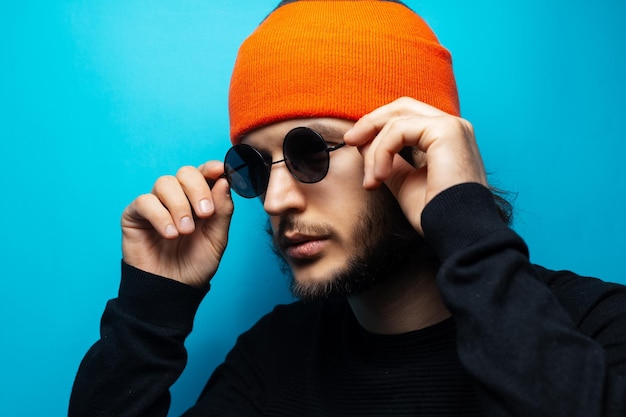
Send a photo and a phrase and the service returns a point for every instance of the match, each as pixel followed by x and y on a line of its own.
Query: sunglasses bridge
pixel 328 149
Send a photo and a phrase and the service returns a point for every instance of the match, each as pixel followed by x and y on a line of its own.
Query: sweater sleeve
pixel 523 349
pixel 141 353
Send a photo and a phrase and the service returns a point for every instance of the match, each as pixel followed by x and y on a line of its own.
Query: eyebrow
pixel 327 132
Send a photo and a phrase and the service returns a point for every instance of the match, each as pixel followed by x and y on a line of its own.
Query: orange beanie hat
pixel 337 58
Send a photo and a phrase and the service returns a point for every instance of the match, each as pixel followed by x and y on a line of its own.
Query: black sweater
pixel 523 341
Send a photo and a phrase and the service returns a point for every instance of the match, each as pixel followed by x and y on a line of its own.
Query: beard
pixel 385 246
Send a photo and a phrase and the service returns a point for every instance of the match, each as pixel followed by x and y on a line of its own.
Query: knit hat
pixel 337 58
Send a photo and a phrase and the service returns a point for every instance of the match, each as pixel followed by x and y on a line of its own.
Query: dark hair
pixel 503 204
pixel 284 2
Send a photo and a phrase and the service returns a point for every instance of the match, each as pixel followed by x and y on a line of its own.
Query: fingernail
pixel 206 206
pixel 186 223
pixel 170 230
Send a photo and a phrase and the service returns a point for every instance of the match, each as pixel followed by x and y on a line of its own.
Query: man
pixel 417 297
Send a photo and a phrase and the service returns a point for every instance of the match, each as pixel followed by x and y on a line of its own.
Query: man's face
pixel 335 236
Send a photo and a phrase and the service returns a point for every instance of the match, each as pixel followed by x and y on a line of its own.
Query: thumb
pixel 223 201
pixel 402 176
pixel 408 186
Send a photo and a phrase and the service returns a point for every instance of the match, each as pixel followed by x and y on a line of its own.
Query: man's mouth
pixel 299 247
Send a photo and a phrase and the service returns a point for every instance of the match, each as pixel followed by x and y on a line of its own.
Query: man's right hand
pixel 180 229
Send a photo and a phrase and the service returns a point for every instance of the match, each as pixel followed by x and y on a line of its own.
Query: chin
pixel 325 281
pixel 314 288
pixel 315 280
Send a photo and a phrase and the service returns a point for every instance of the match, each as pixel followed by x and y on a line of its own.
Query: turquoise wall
pixel 97 99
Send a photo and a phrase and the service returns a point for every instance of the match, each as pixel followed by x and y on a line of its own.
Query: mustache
pixel 289 223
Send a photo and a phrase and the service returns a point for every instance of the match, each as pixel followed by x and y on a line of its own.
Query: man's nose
pixel 283 193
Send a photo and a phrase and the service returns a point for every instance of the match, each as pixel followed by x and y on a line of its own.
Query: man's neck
pixel 409 302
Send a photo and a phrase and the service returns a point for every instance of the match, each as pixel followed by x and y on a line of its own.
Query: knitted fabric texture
pixel 338 59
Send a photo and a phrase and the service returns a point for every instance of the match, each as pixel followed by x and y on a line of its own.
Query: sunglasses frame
pixel 268 165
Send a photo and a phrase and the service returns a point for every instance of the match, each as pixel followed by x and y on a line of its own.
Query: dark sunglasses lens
pixel 246 171
pixel 306 155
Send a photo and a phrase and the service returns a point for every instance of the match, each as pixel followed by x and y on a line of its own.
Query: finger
pixel 212 169
pixel 147 211
pixel 171 194
pixel 401 170
pixel 223 200
pixel 220 191
pixel 368 126
pixel 197 190
pixel 397 134
pixel 218 224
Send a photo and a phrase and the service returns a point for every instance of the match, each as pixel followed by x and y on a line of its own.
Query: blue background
pixel 98 99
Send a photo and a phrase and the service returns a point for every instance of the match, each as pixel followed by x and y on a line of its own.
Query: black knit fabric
pixel 523 341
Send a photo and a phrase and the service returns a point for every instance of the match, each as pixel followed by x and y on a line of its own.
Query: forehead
pixel 271 136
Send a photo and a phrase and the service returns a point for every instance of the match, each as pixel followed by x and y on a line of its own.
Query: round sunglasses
pixel 305 152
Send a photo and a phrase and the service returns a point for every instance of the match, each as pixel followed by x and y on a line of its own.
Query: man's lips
pixel 302 247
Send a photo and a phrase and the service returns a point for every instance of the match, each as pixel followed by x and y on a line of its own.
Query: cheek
pixel 272 225
pixel 342 190
pixel 346 210
pixel 346 163
pixel 345 175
